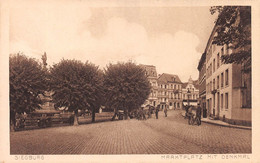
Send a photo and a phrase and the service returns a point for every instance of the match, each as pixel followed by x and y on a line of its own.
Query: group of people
pixel 141 113
pixel 191 117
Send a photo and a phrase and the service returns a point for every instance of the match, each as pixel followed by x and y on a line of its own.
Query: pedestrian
pixel 186 113
pixel 149 111
pixel 143 113
pixel 189 114
pixel 165 111
pixel 198 114
pixel 156 111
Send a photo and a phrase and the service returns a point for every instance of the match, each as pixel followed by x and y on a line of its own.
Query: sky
pixel 170 38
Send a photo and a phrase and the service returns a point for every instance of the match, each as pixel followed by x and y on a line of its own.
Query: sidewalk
pixel 221 123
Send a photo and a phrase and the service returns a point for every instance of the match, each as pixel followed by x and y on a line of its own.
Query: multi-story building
pixel 202 83
pixel 190 92
pixel 227 90
pixel 151 74
pixel 169 91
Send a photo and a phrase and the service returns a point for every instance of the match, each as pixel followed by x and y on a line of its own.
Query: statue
pixel 44 59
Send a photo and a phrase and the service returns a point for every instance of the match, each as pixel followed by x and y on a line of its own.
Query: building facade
pixel 227 97
pixel 151 74
pixel 190 93
pixel 202 84
pixel 169 91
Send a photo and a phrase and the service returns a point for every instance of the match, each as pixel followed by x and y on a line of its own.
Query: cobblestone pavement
pixel 166 135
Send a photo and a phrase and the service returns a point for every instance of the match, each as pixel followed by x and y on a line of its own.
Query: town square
pixel 121 80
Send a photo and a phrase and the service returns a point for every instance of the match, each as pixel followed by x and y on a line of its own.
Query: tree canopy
pixel 234 29
pixel 76 85
pixel 27 80
pixel 126 86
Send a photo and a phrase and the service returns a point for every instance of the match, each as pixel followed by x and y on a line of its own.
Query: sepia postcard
pixel 129 81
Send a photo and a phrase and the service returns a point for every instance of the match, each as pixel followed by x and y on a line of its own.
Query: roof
pixel 150 70
pixel 184 85
pixel 169 78
pixel 194 82
pixel 142 65
pixel 202 60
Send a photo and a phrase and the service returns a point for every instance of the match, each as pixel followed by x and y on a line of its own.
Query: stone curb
pixel 223 125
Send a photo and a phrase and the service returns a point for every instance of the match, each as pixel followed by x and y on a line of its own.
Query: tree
pixel 126 87
pixel 27 81
pixel 234 29
pixel 76 86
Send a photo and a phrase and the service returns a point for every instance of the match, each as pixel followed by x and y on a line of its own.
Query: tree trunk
pixel 125 113
pixel 76 123
pixel 93 114
pixel 12 121
pixel 12 125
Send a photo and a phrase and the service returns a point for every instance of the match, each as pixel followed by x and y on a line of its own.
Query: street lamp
pixel 188 94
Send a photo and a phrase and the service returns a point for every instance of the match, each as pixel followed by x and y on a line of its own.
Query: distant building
pixel 151 74
pixel 190 92
pixel 202 83
pixel 228 89
pixel 169 91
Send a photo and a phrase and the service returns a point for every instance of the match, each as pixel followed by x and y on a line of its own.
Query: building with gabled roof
pixel 151 74
pixel 169 91
pixel 190 92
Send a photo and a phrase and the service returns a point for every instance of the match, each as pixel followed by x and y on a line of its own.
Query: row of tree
pixel 75 85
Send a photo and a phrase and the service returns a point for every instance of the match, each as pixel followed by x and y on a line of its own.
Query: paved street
pixel 167 135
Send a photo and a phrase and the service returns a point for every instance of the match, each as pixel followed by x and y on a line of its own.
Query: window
pixel 171 86
pixel 217 82
pixel 214 65
pixel 214 100
pixel 221 100
pixel 222 79
pixel 226 101
pixel 222 52
pixel 226 81
pixel 213 84
pixel 218 60
pixel 165 86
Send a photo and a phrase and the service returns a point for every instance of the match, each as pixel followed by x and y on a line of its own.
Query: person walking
pixel 165 111
pixel 198 114
pixel 156 111
pixel 150 112
pixel 143 114
pixel 190 115
pixel 186 111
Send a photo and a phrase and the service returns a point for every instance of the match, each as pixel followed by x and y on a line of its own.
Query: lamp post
pixel 188 94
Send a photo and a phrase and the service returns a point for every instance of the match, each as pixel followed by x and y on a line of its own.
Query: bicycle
pixel 196 120
pixel 190 118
